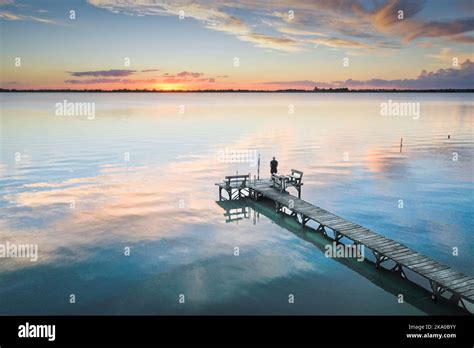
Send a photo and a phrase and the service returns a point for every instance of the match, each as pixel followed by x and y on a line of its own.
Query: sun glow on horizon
pixel 169 86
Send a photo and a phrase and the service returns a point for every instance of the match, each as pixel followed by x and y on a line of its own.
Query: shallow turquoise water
pixel 141 174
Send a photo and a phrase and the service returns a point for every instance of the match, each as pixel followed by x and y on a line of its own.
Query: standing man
pixel 273 166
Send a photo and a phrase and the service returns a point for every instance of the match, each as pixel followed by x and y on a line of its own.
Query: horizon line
pixel 288 90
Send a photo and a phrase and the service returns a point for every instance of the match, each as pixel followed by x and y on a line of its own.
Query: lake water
pixel 140 174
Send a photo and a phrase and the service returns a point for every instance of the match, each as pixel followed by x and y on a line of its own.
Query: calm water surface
pixel 66 185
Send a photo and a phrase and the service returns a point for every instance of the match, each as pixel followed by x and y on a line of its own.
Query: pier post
pixel 434 289
pixel 399 269
pixel 377 260
pixel 258 167
pixel 277 207
pixel 304 220
pixel 321 229
pixel 437 289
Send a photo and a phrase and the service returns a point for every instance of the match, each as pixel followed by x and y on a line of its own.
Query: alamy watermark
pixel 339 250
pixel 394 108
pixel 65 108
pixel 26 251
pixel 238 156
pixel 28 330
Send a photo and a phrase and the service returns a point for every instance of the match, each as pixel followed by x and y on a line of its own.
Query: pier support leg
pixel 436 290
pixel 456 299
pixel 277 207
pixel 462 304
pixel 379 258
pixel 304 220
pixel 399 269
pixel 321 229
pixel 253 194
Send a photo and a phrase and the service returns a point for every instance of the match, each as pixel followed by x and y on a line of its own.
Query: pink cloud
pixel 450 78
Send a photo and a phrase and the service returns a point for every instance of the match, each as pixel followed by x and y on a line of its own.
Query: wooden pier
pixel 441 278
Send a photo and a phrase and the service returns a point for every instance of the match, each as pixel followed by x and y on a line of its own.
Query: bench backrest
pixel 242 176
pixel 298 174
pixel 237 179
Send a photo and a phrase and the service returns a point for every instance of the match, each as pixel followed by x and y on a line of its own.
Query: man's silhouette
pixel 273 166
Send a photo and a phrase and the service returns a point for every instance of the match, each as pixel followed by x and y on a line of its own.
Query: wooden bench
pixel 296 178
pixel 282 182
pixel 279 181
pixel 236 181
pixel 234 185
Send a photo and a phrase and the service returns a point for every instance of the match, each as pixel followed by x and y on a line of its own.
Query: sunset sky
pixel 278 44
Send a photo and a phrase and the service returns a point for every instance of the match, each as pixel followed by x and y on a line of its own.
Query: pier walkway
pixel 442 278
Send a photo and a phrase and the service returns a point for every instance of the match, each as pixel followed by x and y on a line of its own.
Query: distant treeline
pixel 316 90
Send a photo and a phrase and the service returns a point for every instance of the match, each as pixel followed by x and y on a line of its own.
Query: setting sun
pixel 169 86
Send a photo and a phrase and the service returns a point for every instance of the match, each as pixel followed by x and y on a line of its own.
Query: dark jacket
pixel 273 166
